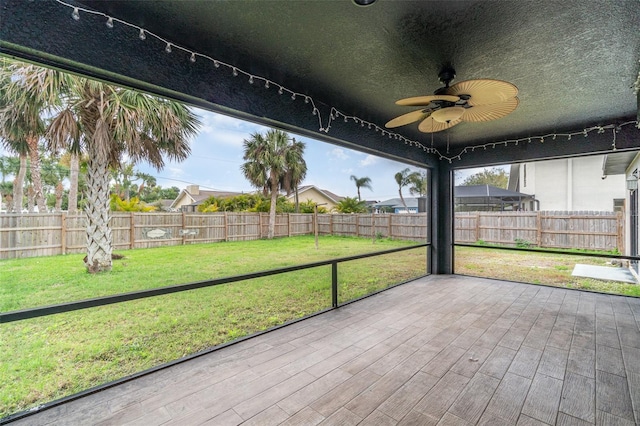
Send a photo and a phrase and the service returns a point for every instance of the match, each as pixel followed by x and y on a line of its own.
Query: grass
pixel 536 268
pixel 47 358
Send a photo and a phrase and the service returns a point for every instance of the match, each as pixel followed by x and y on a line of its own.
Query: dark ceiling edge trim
pixel 22 53
pixel 320 109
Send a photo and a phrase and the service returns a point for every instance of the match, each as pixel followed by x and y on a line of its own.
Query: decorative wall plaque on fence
pixel 156 233
pixel 184 232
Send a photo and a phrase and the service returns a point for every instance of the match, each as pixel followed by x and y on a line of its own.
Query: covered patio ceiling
pixel 295 64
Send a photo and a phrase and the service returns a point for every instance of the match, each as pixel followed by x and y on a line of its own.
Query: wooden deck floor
pixel 444 350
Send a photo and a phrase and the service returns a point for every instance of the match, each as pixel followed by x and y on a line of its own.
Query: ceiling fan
pixel 471 101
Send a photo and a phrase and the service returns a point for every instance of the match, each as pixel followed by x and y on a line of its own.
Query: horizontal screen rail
pixel 533 250
pixel 23 314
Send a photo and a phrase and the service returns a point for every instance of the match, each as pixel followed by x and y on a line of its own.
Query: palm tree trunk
pixel 74 168
pixel 36 179
pixel 359 199
pixel 297 200
pixel 59 192
pixel 18 184
pixel 97 209
pixel 31 195
pixel 272 208
pixel 402 199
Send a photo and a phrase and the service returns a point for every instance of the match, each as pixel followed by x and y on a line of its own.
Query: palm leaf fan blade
pixel 429 125
pixel 484 91
pixel 482 113
pixel 408 118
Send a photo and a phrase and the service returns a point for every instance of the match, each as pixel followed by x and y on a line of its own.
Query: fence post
pixel 390 217
pixel 334 284
pixel 184 229
pixel 132 230
pixel 288 224
pixel 357 225
pixel 373 228
pixel 620 227
pixel 225 223
pixel 331 224
pixel 477 226
pixel 63 234
pixel 539 228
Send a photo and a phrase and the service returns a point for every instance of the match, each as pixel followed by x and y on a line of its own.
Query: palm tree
pixel 108 123
pixel 53 173
pixel 403 178
pixel 350 205
pixel 363 182
pixel 75 163
pixel 24 103
pixel 418 184
pixel 8 166
pixel 268 161
pixel 296 172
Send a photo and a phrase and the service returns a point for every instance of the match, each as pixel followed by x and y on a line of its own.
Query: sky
pixel 216 157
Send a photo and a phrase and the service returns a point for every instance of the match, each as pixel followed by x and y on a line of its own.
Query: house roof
pixel 617 163
pixel 412 202
pixel 203 195
pixel 330 195
pixel 332 70
pixel 473 191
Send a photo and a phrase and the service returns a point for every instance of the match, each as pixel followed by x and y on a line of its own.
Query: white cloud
pixel 347 171
pixel 338 154
pixel 369 160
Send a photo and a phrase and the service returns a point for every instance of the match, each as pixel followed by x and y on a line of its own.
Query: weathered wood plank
pixel 474 398
pixel 498 362
pixel 578 397
pixel 553 362
pixel 332 401
pixel 525 363
pixel 438 400
pixel 509 398
pixel 543 399
pixel 612 395
pixel 610 360
pixel 402 401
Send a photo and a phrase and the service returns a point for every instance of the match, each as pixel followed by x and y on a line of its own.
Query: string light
pixel 334 114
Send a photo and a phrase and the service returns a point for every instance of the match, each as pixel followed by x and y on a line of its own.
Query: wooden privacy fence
pixel 29 235
pixel 549 229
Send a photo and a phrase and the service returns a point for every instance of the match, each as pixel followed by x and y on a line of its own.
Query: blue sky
pixel 217 152
pixel 216 156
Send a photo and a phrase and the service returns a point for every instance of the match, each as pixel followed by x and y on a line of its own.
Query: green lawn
pixel 47 358
pixel 535 268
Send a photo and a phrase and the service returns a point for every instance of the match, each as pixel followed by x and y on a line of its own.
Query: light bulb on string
pixel 142 35
pixel 251 79
pixel 168 48
pixel 266 84
pixel 234 72
pixel 75 14
pixel 280 91
pixel 216 64
pixel 193 57
pixel 109 22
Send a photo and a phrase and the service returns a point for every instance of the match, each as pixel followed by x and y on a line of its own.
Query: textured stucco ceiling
pixel 574 62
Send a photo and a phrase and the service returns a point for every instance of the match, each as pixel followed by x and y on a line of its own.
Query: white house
pixel 189 198
pixel 569 184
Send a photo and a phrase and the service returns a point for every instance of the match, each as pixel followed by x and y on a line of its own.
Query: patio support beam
pixel 441 219
pixel 626 138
